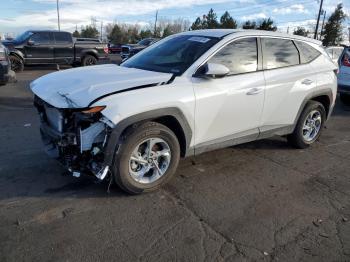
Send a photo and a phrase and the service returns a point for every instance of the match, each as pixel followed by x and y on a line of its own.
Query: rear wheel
pixel 147 158
pixel 17 64
pixel 345 98
pixel 89 60
pixel 309 126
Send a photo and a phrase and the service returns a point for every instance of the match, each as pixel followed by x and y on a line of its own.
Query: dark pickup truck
pixel 53 47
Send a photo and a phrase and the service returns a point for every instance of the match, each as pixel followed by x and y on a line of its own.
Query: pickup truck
pixel 53 47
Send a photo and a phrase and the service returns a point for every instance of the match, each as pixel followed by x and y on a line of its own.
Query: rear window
pixel 62 37
pixel 308 52
pixel 280 53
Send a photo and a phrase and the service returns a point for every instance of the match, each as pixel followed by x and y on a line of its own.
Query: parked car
pixel 335 52
pixel 53 47
pixel 131 49
pixel 5 66
pixel 344 76
pixel 187 94
pixel 114 48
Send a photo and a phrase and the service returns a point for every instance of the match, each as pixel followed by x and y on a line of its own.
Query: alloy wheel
pixel 312 125
pixel 149 160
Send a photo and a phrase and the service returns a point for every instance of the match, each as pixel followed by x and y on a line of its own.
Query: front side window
pixel 173 55
pixel 239 57
pixel 41 38
pixel 309 53
pixel 279 53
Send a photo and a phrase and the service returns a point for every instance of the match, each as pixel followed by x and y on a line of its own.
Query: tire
pixel 345 99
pixel 124 167
pixel 89 60
pixel 17 64
pixel 299 138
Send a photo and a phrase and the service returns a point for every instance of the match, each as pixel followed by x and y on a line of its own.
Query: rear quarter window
pixel 308 52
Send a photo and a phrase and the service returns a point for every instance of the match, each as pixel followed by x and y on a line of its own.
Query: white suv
pixel 189 93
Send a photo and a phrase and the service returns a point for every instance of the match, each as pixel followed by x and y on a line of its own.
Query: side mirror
pixel 31 42
pixel 212 70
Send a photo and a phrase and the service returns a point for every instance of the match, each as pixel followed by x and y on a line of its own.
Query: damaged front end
pixel 76 137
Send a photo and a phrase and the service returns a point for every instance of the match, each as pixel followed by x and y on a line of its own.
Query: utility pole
pixel 318 19
pixel 101 30
pixel 58 16
pixel 324 18
pixel 288 30
pixel 155 25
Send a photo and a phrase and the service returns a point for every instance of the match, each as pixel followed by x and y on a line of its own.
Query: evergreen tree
pixel 226 21
pixel 89 32
pixel 197 24
pixel 301 31
pixel 76 33
pixel 249 25
pixel 333 29
pixel 210 21
pixel 267 24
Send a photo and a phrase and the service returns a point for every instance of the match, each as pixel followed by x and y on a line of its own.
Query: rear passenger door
pixel 63 48
pixel 288 81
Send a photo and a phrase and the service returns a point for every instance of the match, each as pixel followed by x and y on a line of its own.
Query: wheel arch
pixel 323 97
pixel 89 52
pixel 17 54
pixel 171 117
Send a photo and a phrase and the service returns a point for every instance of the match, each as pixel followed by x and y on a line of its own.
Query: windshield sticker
pixel 199 39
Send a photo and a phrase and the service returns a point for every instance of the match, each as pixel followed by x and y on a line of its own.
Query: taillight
pixel 346 60
pixel 105 49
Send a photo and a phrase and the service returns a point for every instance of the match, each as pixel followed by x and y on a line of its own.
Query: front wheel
pixel 309 125
pixel 17 64
pixel 147 158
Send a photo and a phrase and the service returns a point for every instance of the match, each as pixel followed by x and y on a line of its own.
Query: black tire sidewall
pixel 18 60
pixel 313 105
pixel 121 163
pixel 87 57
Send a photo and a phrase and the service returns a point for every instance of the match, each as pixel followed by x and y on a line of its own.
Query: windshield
pixel 174 55
pixel 145 42
pixel 22 37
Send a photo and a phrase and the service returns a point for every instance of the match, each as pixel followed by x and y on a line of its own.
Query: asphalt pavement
pixel 261 201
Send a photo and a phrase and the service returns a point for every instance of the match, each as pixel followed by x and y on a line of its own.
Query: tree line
pixel 125 33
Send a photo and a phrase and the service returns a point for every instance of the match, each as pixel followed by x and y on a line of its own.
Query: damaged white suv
pixel 187 94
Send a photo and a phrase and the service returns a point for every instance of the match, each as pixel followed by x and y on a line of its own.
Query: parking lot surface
pixel 262 201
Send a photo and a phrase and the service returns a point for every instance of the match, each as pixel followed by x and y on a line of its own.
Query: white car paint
pixel 79 86
pixel 215 109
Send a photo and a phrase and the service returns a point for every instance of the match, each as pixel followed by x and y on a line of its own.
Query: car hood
pixel 78 87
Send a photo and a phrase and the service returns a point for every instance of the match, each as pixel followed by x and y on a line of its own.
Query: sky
pixel 19 15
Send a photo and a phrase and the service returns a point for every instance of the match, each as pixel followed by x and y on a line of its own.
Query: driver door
pixel 229 109
pixel 39 49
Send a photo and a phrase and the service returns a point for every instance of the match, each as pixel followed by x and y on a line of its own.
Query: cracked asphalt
pixel 261 201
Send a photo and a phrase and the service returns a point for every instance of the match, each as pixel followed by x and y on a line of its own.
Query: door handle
pixel 254 91
pixel 307 82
